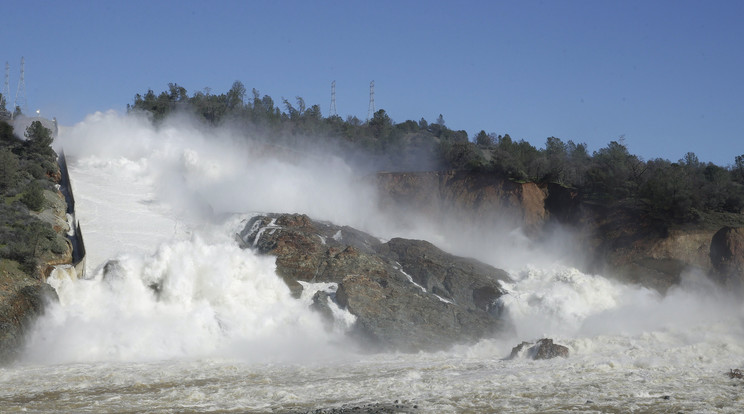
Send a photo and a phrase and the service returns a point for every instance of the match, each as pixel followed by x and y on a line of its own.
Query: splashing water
pixel 187 321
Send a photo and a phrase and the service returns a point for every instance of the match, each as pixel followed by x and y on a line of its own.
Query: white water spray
pixel 205 316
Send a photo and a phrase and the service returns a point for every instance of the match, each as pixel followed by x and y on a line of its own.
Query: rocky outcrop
pixel 55 214
pixel 727 256
pixel 466 196
pixel 656 260
pixel 620 240
pixel 23 296
pixel 628 244
pixel 405 294
pixel 22 300
pixel 542 349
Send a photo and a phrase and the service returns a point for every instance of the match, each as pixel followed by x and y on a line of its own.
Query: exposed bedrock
pixel 22 300
pixel 542 349
pixel 24 292
pixel 406 294
pixel 727 256
pixel 465 196
pixel 618 240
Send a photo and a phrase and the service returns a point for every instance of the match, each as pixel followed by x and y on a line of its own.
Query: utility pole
pixel 371 110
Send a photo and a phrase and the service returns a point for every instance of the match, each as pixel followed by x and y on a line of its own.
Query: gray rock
pixel 320 305
pixel 406 294
pixel 466 282
pixel 371 408
pixel 21 302
pixel 543 349
pixel 727 256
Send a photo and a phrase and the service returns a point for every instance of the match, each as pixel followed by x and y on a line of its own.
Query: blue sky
pixel 667 76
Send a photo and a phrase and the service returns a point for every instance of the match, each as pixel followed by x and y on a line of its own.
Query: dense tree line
pixel 26 170
pixel 610 175
pixel 672 190
pixel 293 122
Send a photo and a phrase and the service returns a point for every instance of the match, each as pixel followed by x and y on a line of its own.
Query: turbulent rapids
pixel 175 316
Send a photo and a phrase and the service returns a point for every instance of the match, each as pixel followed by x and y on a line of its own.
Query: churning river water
pixel 224 334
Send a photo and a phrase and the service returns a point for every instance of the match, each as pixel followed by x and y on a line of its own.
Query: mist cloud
pixel 200 174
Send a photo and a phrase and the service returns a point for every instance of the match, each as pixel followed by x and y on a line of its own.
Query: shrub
pixel 8 169
pixel 33 197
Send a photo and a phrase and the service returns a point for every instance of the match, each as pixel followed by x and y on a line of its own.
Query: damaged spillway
pixel 75 235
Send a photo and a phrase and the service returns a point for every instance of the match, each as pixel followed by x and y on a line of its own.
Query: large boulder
pixel 542 349
pixel 727 256
pixel 406 294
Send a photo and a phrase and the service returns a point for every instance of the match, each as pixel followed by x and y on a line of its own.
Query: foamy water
pixel 188 322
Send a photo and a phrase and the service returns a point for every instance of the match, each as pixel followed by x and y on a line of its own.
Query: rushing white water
pixel 185 321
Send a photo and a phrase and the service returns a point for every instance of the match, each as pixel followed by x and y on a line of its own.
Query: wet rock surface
pixel 407 295
pixel 542 349
pixel 373 408
pixel 22 300
pixel 727 256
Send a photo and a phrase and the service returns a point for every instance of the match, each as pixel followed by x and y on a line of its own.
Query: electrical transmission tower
pixel 6 89
pixel 371 110
pixel 20 99
pixel 333 112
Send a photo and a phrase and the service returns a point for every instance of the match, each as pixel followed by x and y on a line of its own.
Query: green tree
pixel 517 160
pixel 483 139
pixel 33 197
pixel 579 161
pixel 314 113
pixel 690 160
pixel 39 137
pixel 556 156
pixel 461 155
pixel 6 134
pixel 295 113
pixel 177 93
pixel 666 190
pixel 381 124
pixel 614 173
pixel 8 169
pixel 715 187
pixel 407 126
pixel 738 169
pixel 236 96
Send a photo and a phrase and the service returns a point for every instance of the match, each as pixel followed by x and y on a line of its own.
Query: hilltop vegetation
pixel 687 190
pixel 27 168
